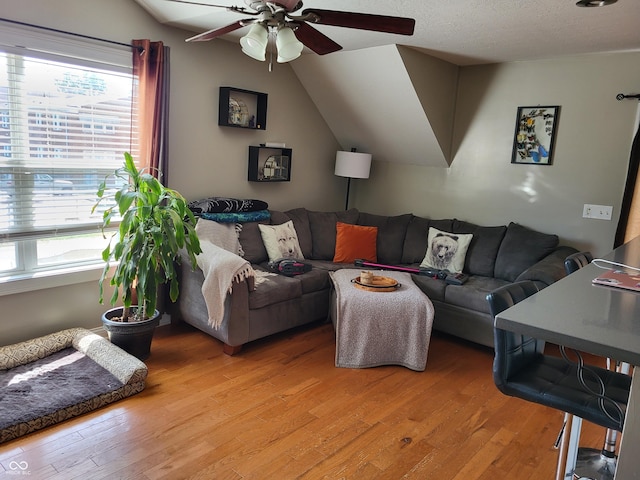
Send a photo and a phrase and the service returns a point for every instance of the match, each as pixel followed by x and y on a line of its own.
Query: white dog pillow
pixel 446 251
pixel 281 241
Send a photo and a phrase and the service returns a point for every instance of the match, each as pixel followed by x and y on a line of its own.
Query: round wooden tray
pixel 378 284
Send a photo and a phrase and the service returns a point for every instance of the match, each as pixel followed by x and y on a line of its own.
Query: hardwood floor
pixel 282 410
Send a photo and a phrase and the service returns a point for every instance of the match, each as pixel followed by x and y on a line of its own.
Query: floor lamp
pixel 352 165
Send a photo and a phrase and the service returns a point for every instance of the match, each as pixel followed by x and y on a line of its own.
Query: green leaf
pixel 155 224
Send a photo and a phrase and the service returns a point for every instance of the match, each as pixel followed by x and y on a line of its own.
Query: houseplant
pixel 155 225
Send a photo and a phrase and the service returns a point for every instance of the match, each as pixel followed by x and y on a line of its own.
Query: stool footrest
pixel 592 463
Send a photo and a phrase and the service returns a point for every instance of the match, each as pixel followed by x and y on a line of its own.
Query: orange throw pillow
pixel 355 241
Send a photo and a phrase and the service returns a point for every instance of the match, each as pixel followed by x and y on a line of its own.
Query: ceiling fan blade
pixel 315 40
pixel 289 5
pixel 216 32
pixel 189 2
pixel 363 21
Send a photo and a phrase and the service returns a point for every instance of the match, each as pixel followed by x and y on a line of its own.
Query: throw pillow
pixel 355 241
pixel 226 205
pixel 446 251
pixel 237 217
pixel 281 241
pixel 414 246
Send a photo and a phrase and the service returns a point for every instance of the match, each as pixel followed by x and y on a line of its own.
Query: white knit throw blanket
pixel 221 265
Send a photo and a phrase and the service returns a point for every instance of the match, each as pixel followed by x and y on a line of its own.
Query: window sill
pixel 50 279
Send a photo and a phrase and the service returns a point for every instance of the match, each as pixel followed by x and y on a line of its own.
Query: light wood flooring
pixel 282 410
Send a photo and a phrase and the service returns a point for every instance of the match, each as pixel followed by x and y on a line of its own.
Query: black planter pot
pixel 133 337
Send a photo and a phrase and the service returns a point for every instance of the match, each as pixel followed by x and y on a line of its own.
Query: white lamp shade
pixel 289 48
pixel 353 164
pixel 254 43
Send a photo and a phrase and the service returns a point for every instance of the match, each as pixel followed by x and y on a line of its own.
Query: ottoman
pixel 375 328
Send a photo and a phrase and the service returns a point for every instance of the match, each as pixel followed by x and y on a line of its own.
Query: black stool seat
pixel 521 369
pixel 550 381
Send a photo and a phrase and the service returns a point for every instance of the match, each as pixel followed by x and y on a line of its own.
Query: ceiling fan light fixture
pixel 256 55
pixel 595 3
pixel 289 48
pixel 254 43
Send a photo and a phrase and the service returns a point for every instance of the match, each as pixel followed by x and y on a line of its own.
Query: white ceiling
pixel 463 32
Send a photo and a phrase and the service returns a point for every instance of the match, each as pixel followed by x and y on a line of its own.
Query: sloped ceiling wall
pixel 391 101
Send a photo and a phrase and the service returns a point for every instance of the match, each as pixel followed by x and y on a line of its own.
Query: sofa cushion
pixel 323 231
pixel 278 217
pixel 520 249
pixel 273 289
pixel 281 241
pixel 252 244
pixel 391 235
pixel 473 294
pixel 433 288
pixel 483 250
pixel 300 219
pixel 446 250
pixel 415 240
pixel 355 241
pixel 314 281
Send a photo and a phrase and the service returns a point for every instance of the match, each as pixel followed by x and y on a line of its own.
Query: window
pixel 64 125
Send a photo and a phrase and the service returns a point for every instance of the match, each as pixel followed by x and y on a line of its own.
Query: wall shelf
pixel 242 109
pixel 268 164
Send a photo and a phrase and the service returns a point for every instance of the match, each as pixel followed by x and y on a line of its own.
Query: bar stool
pixel 522 370
pixel 591 462
pixel 576 261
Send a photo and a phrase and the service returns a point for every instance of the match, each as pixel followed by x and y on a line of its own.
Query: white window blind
pixel 64 126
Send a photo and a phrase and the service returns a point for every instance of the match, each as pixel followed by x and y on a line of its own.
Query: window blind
pixel 63 128
pixel 66 118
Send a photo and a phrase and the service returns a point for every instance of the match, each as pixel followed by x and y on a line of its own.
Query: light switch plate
pixel 602 212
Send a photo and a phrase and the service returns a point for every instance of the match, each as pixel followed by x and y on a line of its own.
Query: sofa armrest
pixel 550 269
pixel 250 283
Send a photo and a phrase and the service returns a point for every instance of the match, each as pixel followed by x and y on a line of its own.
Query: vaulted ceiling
pixel 393 102
pixel 381 80
pixel 463 32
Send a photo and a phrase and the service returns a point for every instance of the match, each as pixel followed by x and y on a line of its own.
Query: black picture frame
pixel 535 134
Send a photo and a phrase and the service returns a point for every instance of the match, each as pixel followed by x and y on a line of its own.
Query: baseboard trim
pixel 165 320
pixel 99 331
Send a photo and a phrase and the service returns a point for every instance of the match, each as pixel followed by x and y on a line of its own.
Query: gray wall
pixel 205 159
pixel 590 161
pixel 481 185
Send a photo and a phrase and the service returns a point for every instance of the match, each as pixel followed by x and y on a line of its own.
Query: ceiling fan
pixel 294 31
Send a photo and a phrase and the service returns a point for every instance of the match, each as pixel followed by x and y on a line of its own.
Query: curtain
pixel 151 68
pixel 629 224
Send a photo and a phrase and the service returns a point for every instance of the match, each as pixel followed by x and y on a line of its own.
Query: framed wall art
pixel 535 135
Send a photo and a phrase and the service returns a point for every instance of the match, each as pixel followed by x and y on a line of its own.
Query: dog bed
pixel 59 376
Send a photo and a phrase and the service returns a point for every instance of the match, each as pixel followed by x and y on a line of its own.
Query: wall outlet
pixel 602 212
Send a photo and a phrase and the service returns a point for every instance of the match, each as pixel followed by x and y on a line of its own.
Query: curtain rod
pixel 49 29
pixel 622 96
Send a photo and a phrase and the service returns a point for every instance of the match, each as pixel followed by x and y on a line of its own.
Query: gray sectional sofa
pixel 497 255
